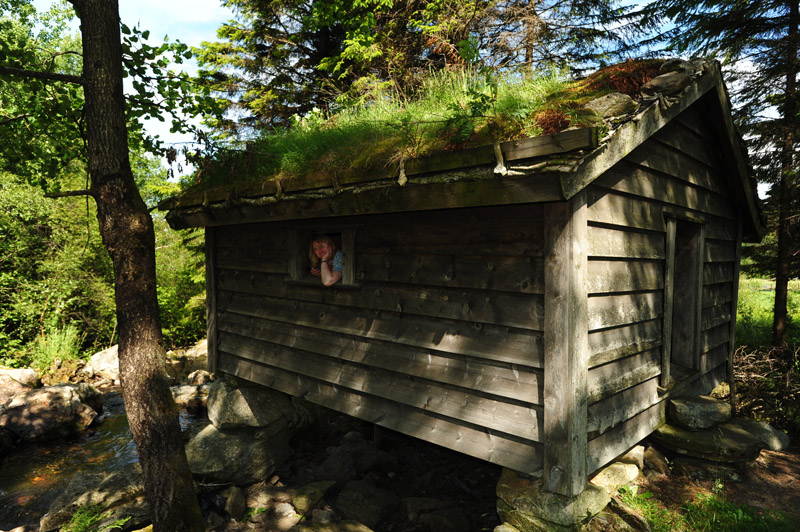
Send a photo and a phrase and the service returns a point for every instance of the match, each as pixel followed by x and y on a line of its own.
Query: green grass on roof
pixel 454 110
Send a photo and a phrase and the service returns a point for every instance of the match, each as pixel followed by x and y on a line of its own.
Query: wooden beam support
pixel 211 299
pixel 566 359
pixel 734 304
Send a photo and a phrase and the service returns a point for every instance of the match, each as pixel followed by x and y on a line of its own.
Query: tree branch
pixel 53 76
pixel 68 193
pixel 14 118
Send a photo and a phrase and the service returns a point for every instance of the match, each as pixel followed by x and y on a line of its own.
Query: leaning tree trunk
pixel 787 181
pixel 127 231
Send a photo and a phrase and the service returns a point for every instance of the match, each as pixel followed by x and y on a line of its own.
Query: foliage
pixel 54 271
pixel 180 274
pixel 284 58
pixel 91 518
pixel 707 512
pixel 32 147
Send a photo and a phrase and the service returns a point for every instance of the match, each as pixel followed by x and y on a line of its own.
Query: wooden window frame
pixel 298 255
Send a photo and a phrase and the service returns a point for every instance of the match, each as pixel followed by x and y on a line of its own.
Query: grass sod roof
pixel 458 137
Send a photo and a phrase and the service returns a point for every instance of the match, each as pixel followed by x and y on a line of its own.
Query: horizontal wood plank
pixel 645 183
pixel 620 407
pixel 477 306
pixel 481 443
pixel 608 207
pixel 623 276
pixel 624 309
pixel 608 345
pixel 606 242
pixel 515 419
pixel 715 337
pixel 717 294
pixel 716 315
pixel 685 140
pixel 511 381
pixel 720 251
pixel 510 274
pixel 665 159
pixel 503 344
pixel 717 272
pixel 611 444
pixel 612 378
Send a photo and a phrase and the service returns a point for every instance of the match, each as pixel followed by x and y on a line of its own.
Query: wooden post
pixel 565 347
pixel 734 303
pixel 211 299
pixel 698 301
pixel 669 289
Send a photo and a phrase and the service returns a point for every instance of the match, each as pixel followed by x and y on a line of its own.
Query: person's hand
pixel 328 256
pixel 316 271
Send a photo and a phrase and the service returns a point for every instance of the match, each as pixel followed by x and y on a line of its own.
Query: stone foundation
pixel 525 505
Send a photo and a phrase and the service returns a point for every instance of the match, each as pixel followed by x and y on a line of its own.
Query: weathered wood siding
pixel 678 173
pixel 442 338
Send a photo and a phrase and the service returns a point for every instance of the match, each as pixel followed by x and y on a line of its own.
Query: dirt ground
pixel 770 483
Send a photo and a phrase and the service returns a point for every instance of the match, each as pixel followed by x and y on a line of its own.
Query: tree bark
pixel 127 231
pixel 786 189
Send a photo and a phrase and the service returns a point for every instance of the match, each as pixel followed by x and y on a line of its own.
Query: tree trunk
pixel 127 232
pixel 786 190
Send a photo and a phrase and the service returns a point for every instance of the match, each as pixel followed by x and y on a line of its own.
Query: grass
pixel 375 128
pixel 61 343
pixel 91 518
pixel 708 512
pixel 755 311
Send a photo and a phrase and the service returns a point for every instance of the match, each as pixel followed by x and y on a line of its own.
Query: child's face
pixel 320 249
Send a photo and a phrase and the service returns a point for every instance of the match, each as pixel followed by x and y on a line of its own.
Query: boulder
pixel 192 398
pixel 667 84
pixel 365 503
pixel 615 475
pixel 307 497
pixel 635 456
pixel 354 457
pixel 104 364
pixel 724 443
pixel 613 104
pixel 341 526
pixel 51 411
pixel 526 505
pixel 199 376
pixel 231 406
pixel 655 461
pixel 447 520
pixel 14 381
pixel 121 494
pixel 697 413
pixel 772 438
pixel 619 517
pixel 235 502
pixel 240 456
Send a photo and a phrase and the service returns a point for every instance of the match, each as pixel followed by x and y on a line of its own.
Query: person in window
pixel 326 261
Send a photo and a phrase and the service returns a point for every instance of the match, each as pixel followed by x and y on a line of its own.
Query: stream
pixel 34 474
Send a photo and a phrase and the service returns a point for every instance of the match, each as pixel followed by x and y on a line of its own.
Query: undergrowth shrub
pixel 768 387
pixel 57 342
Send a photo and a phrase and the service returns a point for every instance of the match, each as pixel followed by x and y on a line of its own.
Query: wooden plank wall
pixel 442 340
pixel 671 174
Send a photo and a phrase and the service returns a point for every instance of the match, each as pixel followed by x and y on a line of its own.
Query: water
pixel 34 474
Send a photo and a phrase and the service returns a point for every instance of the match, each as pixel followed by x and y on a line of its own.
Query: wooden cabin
pixel 537 318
